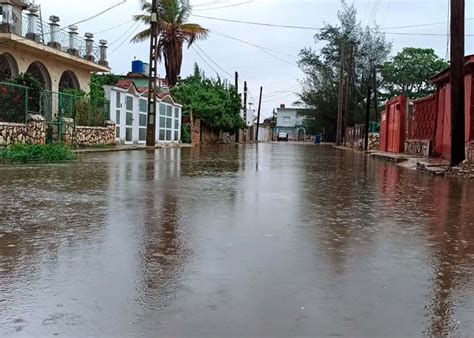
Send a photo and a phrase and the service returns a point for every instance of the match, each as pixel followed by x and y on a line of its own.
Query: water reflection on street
pixel 268 240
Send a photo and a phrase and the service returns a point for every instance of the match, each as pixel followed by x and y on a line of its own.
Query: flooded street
pixel 277 240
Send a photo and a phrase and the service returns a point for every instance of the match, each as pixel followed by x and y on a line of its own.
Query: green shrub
pixel 24 153
pixel 186 134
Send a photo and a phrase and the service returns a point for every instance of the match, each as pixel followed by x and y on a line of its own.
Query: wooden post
pixel 340 99
pixel 258 115
pixel 367 120
pixel 457 82
pixel 152 87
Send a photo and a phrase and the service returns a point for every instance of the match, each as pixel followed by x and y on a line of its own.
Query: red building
pixel 424 125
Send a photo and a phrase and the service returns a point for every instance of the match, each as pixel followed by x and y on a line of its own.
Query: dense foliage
pixel 321 68
pixel 34 90
pixel 409 73
pixel 24 153
pixel 214 102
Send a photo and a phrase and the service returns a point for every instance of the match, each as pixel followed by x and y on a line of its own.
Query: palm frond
pixel 142 36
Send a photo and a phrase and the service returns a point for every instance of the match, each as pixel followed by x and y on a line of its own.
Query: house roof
pixel 444 75
pixel 143 76
pixel 129 84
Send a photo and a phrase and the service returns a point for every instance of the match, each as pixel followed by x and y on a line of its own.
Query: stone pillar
pixel 54 32
pixel 6 26
pixel 66 126
pixel 89 47
pixel 196 132
pixel 73 41
pixel 103 53
pixel 35 129
pixel 33 23
pixel 111 126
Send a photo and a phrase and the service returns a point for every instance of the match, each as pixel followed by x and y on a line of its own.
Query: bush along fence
pixel 50 117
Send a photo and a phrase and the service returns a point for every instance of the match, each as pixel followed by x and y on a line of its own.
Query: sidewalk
pixel 118 148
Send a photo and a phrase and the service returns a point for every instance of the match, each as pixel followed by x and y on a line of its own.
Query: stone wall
pixel 418 147
pixel 91 136
pixel 470 153
pixel 35 129
pixel 82 136
pixel 31 132
pixel 354 139
pixel 196 131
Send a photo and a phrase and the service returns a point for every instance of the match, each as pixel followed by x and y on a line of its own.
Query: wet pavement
pixel 277 240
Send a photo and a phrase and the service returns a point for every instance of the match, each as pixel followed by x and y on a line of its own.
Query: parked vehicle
pixel 283 137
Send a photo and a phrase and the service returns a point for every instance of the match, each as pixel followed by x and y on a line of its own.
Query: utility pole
pixel 259 110
pixel 340 99
pixel 367 119
pixel 237 131
pixel 348 81
pixel 344 91
pixel 152 85
pixel 236 82
pixel 245 110
pixel 376 103
pixel 457 82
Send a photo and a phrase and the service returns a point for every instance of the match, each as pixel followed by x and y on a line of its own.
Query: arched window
pixel 68 81
pixel 41 74
pixel 8 67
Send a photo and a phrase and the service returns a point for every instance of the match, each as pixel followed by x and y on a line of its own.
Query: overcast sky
pixel 277 72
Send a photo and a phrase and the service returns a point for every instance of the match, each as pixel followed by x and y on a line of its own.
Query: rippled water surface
pixel 275 240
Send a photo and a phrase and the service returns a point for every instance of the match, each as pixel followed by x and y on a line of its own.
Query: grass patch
pixel 25 153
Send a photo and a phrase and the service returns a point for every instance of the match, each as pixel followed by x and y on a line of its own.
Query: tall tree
pixel 174 32
pixel 409 73
pixel 321 68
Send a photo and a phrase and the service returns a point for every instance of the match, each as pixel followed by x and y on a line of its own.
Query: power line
pixel 98 14
pixel 124 33
pixel 114 27
pixel 257 23
pixel 204 60
pixel 233 5
pixel 202 51
pixel 252 44
pixel 423 25
pixel 316 28
pixel 263 49
pixel 124 41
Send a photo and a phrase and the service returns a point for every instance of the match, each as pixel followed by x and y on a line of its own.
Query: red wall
pixel 393 128
pixel 422 125
pixel 443 130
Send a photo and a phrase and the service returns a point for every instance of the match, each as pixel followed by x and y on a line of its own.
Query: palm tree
pixel 174 32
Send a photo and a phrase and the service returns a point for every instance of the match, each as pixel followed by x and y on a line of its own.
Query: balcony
pixel 26 28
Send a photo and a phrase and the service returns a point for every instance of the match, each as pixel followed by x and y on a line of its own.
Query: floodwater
pixel 277 240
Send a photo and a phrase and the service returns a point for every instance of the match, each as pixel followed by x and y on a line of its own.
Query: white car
pixel 283 137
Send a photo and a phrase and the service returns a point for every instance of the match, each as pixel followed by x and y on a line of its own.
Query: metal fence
pixel 62 38
pixel 83 110
pixel 17 101
pixel 14 101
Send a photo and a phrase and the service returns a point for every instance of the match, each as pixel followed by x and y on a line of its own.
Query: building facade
pixel 290 121
pixel 129 110
pixel 57 58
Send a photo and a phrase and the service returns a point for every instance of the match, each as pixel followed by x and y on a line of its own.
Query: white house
pixel 289 120
pixel 129 110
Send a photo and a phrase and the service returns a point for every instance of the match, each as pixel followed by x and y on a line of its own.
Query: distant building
pixel 290 121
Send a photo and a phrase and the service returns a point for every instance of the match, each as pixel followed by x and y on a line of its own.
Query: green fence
pixel 83 110
pixel 14 102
